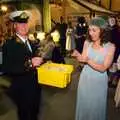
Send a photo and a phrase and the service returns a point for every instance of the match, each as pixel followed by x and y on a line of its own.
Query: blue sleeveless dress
pixel 92 89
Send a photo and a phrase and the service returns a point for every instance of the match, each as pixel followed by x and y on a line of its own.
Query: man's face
pixel 22 28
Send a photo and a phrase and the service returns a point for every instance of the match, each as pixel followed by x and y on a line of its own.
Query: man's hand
pixel 75 53
pixel 36 61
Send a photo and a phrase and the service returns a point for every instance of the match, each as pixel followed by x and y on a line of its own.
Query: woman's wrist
pixel 88 61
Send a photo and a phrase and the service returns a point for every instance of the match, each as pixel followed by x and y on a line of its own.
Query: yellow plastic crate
pixel 53 74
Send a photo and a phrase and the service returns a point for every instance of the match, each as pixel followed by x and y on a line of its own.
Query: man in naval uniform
pixel 19 64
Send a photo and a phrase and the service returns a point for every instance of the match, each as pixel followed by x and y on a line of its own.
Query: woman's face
pixel 94 32
pixel 22 28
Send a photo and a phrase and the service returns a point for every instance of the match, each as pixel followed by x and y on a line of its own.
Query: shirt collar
pixel 23 39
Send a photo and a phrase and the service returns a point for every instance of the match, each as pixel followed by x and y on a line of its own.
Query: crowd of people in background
pixel 86 42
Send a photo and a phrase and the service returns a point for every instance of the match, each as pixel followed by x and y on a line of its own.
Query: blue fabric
pixel 92 89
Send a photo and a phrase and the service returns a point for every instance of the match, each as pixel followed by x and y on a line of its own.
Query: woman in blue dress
pixel 97 55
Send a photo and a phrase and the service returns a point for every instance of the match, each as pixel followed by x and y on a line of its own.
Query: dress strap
pixel 106 47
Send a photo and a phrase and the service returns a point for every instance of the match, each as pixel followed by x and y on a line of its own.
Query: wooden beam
pixel 110 4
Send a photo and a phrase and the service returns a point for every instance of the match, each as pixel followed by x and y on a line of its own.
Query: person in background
pixel 49 48
pixel 57 56
pixel 35 44
pixel 70 39
pixel 55 33
pixel 1 44
pixel 19 65
pixel 97 55
pixel 115 39
pixel 117 92
pixel 46 48
pixel 80 33
pixel 62 30
pixel 40 33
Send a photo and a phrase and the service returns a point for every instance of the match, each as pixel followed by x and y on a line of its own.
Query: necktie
pixel 28 63
pixel 27 45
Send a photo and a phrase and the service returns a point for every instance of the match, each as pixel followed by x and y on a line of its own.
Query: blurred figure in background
pixel 40 33
pixel 70 39
pixel 2 39
pixel 57 56
pixel 35 43
pixel 80 33
pixel 46 48
pixel 115 39
pixel 55 34
pixel 115 35
pixel 62 30
pixel 117 92
pixel 49 48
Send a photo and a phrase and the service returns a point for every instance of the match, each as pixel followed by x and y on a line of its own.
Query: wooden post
pixel 46 16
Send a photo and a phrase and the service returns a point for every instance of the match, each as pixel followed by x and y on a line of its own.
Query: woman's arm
pixel 107 62
pixel 82 57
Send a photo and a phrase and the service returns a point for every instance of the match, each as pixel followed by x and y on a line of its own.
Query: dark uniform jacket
pixel 15 56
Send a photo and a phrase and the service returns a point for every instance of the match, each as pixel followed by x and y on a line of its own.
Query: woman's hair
pixel 105 36
pixel 104 30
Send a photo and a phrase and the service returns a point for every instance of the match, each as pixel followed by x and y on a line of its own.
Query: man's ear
pixel 15 25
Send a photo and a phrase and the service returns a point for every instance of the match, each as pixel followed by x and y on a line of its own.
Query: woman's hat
pixel 20 16
pixel 98 21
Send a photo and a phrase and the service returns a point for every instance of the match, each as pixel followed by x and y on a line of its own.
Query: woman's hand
pixel 79 57
pixel 36 61
pixel 75 53
pixel 83 59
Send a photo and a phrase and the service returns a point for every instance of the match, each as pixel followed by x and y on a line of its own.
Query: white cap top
pixel 18 13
